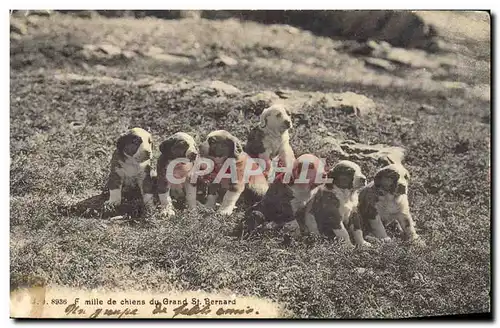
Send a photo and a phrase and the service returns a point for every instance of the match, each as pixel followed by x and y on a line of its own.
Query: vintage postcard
pixel 187 164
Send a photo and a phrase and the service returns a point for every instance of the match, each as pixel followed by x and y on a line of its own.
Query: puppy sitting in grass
pixel 270 140
pixel 231 172
pixel 333 206
pixel 131 166
pixel 178 152
pixel 385 201
pixel 288 192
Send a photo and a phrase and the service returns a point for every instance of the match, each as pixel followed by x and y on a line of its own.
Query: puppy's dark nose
pixel 147 154
pixel 362 181
pixel 192 156
pixel 401 189
pixel 288 124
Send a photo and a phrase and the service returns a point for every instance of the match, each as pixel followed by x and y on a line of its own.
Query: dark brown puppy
pixel 131 165
pixel 231 173
pixel 178 152
pixel 284 198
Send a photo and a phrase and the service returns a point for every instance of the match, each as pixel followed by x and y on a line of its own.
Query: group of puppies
pixel 340 204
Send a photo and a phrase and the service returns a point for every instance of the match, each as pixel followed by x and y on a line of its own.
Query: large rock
pixel 349 103
pixel 104 51
pixel 160 55
pixel 257 102
pixel 383 55
pixel 198 89
pixel 350 150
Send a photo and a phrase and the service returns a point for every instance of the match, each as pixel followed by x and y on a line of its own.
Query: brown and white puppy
pixel 131 165
pixel 270 140
pixel 178 152
pixel 229 160
pixel 332 208
pixel 285 197
pixel 385 201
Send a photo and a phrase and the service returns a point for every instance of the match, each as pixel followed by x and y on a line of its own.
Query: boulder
pixel 257 102
pixel 110 50
pixel 157 53
pixel 222 61
pixel 379 63
pixel 197 89
pixel 349 103
pixel 102 51
pixel 347 149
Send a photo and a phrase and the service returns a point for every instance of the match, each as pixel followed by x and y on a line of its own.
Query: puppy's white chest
pixel 347 202
pixel 389 206
pixel 272 146
pixel 131 171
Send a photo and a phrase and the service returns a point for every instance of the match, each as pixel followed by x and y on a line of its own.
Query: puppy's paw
pixel 226 211
pixel 386 240
pixel 167 212
pixel 111 205
pixel 347 244
pixel 364 244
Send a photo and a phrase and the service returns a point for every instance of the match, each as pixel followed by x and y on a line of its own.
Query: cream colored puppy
pixel 385 201
pixel 333 206
pixel 270 140
pixel 131 165
pixel 178 152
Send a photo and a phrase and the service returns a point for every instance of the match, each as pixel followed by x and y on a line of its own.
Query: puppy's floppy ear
pixel 330 176
pixel 123 141
pixel 166 145
pixel 378 178
pixel 339 175
pixel 236 146
pixel 380 175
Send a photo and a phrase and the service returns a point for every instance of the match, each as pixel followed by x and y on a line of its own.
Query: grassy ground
pixel 56 163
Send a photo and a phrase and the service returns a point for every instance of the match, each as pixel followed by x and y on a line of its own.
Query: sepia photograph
pixel 250 164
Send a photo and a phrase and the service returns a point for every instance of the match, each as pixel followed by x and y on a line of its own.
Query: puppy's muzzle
pixel 144 156
pixel 191 155
pixel 401 189
pixel 362 181
pixel 287 124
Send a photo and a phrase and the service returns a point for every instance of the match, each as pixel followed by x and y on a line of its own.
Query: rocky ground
pixel 77 83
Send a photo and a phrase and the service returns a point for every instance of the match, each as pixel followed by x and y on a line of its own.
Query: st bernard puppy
pixel 270 139
pixel 332 208
pixel 178 152
pixel 286 196
pixel 131 165
pixel 385 201
pixel 234 166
